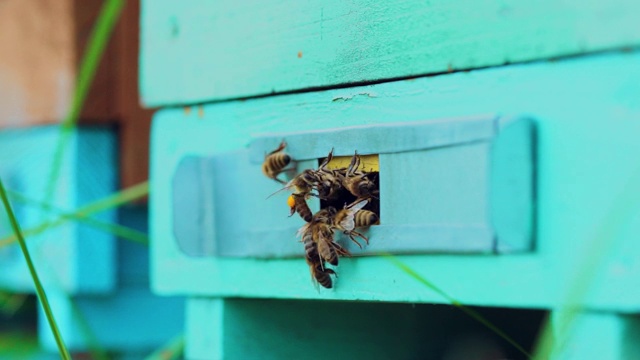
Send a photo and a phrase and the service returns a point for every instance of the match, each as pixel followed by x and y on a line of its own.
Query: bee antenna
pixel 284 188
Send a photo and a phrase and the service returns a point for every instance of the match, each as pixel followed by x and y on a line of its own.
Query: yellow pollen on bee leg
pixel 291 201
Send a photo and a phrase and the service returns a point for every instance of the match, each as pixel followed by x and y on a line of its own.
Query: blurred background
pixel 76 63
pixel 497 241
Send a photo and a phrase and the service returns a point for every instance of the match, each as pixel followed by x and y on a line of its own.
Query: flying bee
pixel 344 220
pixel 298 204
pixel 359 183
pixel 275 163
pixel 364 218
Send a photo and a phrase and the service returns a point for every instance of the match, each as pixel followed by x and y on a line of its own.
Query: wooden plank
pixel 601 335
pixel 37 66
pixel 442 166
pixel 42 43
pixel 73 256
pixel 203 51
pixel 126 319
pixel 293 329
pixel 134 121
pixel 587 112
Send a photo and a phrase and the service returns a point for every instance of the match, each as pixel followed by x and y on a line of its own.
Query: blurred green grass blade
pixel 125 196
pixel 472 313
pixel 170 351
pixel 598 249
pixel 114 229
pixel 42 296
pixel 98 352
pixel 96 44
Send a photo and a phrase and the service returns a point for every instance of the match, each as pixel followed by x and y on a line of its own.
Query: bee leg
pixel 340 250
pixel 326 161
pixel 350 169
pixel 361 236
pixel 349 233
pixel 282 145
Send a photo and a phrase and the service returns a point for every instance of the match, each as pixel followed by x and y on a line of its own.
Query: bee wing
pixel 348 222
pixel 303 230
pixel 357 207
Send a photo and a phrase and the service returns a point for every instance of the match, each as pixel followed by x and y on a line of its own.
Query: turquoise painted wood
pixel 73 256
pixel 587 110
pixel 210 50
pixel 130 319
pixel 273 329
pixel 450 206
pixel 599 335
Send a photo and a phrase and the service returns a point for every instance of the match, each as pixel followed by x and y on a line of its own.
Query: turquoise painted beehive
pixel 505 133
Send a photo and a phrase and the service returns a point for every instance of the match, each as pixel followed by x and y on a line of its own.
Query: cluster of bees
pixel 330 186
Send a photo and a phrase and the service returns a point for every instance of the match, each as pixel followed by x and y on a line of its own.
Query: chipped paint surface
pixel 351 97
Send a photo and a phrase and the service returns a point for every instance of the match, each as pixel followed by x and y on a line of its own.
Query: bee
pixel 328 249
pixel 359 183
pixel 310 248
pixel 298 204
pixel 329 181
pixel 302 185
pixel 364 218
pixel 275 163
pixel 344 220
pixel 321 275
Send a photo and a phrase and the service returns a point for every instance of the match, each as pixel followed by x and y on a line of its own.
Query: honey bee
pixel 275 163
pixel 344 220
pixel 328 249
pixel 298 204
pixel 329 181
pixel 359 183
pixel 302 185
pixel 310 248
pixel 321 232
pixel 321 275
pixel 364 218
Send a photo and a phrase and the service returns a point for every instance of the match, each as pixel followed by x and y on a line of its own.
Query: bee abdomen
pixel 281 160
pixel 323 277
pixel 274 164
pixel 302 208
pixel 310 249
pixel 365 218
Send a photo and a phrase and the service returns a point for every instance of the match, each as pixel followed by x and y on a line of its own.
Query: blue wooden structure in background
pixel 75 257
pixel 585 106
pixel 89 275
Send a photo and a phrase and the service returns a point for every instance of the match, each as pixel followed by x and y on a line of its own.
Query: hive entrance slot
pixel 369 163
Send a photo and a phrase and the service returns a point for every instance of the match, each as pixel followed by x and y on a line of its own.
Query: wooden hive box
pixel 500 217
